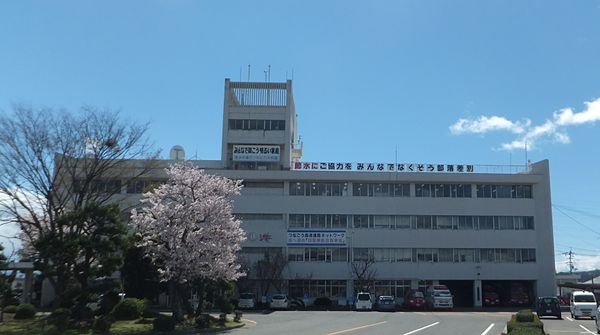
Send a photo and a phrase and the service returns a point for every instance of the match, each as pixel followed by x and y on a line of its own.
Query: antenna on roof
pixel 248 72
pixel 525 152
pixel 240 73
pixel 269 73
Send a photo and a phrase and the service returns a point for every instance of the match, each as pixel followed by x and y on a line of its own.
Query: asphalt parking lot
pixel 398 323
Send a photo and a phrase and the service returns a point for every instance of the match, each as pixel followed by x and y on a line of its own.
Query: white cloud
pixel 484 124
pixel 582 263
pixel 566 117
pixel 554 130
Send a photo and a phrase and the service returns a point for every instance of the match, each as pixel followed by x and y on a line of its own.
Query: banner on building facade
pixel 256 153
pixel 384 167
pixel 316 237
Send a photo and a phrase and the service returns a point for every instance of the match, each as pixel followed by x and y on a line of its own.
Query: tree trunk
pixel 175 301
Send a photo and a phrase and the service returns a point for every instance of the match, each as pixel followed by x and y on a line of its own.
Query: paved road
pixel 568 326
pixel 399 323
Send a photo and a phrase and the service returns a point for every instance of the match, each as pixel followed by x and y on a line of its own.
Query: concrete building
pixel 475 228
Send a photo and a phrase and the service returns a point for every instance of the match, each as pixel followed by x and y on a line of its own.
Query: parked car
pixel 491 299
pixel 296 303
pixel 583 304
pixel 363 302
pixel 247 301
pixel 548 306
pixel 414 300
pixel 439 296
pixel 279 301
pixel 385 303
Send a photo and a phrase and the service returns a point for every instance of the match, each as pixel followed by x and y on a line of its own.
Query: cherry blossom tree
pixel 187 226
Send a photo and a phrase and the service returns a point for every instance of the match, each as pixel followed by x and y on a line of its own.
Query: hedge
pixel 525 323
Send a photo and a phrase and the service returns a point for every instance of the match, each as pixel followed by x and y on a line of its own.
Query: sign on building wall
pixel 384 167
pixel 256 153
pixel 316 237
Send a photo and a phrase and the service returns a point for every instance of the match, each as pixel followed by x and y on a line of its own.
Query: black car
pixel 548 306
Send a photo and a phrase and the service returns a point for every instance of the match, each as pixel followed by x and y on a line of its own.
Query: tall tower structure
pixel 259 126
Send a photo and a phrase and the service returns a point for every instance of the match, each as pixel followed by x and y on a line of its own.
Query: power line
pixel 579 211
pixel 574 220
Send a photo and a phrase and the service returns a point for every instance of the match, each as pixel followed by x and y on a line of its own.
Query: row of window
pixel 407 255
pixel 317 288
pixel 380 190
pixel 503 191
pixel 237 124
pixel 333 189
pixel 443 190
pixel 439 222
pixel 329 189
pixel 337 288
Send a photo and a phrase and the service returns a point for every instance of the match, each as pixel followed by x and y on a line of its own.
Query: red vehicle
pixel 414 300
pixel 518 295
pixel 491 299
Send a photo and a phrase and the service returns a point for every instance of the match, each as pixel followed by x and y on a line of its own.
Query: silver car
pixel 279 301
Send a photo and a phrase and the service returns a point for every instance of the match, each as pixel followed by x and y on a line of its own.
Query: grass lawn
pixel 141 327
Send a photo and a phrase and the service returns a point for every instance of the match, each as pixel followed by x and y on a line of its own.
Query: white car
pixel 363 302
pixel 247 301
pixel 279 301
pixel 583 304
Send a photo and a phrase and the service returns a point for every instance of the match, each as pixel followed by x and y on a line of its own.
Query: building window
pixel 296 254
pixel 446 255
pixel 403 254
pixel 443 190
pixel 427 255
pixel 329 189
pixel 465 256
pixel 504 191
pixel 254 124
pixel 424 222
pixel 527 255
pixel 380 190
pixel 486 222
pixel 361 221
pixel 260 217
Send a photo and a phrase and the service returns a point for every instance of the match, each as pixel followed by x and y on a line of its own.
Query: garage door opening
pixel 462 290
pixel 508 293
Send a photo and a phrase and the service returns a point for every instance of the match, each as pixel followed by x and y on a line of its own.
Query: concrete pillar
pixel 414 284
pixel 477 293
pixel 350 291
pixel 28 286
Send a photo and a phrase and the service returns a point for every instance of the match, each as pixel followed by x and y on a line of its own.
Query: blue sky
pixel 425 77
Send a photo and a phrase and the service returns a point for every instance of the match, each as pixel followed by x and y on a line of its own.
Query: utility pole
pixel 570 261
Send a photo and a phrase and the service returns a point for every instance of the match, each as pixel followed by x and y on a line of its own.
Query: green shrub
pixel 527 331
pixel 25 311
pixel 59 319
pixel 525 315
pixel 107 302
pixel 52 331
pixel 238 316
pixel 149 314
pixel 203 321
pixel 102 325
pixel 10 309
pixel 224 305
pixel 322 302
pixel 163 323
pixel 516 327
pixel 129 309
